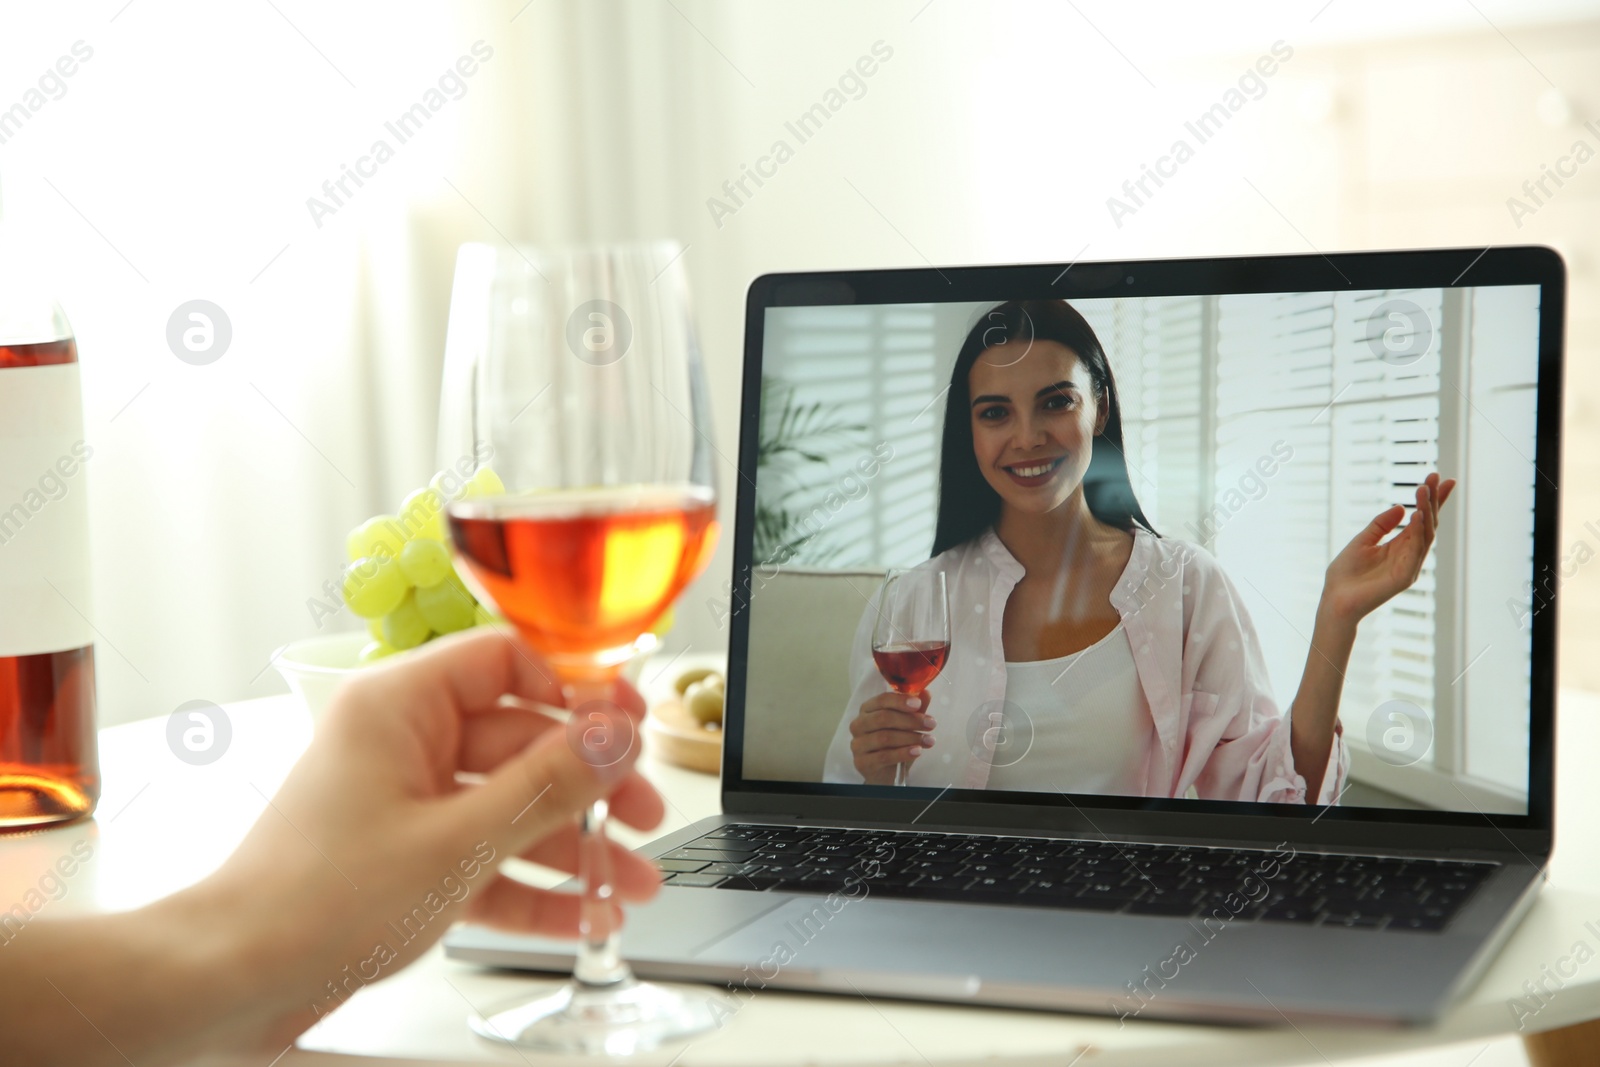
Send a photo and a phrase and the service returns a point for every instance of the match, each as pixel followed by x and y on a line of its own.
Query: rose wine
pixel 49 766
pixel 47 354
pixel 909 667
pixel 582 573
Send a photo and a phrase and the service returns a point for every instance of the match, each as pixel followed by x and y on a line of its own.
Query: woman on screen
pixel 1088 653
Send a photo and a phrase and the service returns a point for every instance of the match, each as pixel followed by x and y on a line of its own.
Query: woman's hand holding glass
pixel 891 729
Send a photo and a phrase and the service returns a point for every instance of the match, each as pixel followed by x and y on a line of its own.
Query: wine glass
pixel 575 375
pixel 911 635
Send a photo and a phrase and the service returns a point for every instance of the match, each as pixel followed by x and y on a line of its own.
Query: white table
pixel 163 824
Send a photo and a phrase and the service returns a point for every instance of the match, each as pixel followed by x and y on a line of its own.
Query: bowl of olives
pixel 684 726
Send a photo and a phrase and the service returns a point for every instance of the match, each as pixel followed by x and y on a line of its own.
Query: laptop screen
pixel 1148 547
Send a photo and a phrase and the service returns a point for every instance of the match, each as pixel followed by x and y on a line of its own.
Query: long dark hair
pixel 968 505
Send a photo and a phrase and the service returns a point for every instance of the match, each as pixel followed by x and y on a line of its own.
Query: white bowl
pixel 314 666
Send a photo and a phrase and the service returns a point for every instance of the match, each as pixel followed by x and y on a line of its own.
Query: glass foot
pixel 617 1020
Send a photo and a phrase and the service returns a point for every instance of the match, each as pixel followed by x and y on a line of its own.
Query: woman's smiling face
pixel 1034 420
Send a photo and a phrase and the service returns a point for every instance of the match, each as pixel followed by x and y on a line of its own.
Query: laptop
pixel 1112 811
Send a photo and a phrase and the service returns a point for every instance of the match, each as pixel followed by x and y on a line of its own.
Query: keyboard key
pixel 736 833
pixel 1034 872
pixel 682 866
pixel 1110 891
pixel 1339 904
pixel 730 868
pixel 710 855
pixel 932 867
pixel 938 879
pixel 785 869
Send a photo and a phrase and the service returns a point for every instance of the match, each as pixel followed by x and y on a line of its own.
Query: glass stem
pixel 600 960
pixel 599 963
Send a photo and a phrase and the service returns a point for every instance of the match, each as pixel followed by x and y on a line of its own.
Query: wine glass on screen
pixel 575 375
pixel 911 637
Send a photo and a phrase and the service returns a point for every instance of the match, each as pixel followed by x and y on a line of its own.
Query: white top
pixel 1218 732
pixel 1075 724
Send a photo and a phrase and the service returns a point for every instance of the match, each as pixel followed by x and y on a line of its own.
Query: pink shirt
pixel 1218 733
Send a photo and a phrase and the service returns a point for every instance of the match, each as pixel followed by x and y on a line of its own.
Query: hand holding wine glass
pixel 910 644
pixel 576 374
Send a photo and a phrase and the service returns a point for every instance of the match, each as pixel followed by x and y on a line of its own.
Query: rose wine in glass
pixel 574 375
pixel 586 573
pixel 911 636
pixel 909 667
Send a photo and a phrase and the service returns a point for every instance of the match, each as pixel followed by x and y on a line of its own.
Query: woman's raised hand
pixel 890 729
pixel 1371 570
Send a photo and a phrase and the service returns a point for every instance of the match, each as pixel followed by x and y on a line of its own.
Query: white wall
pixel 178 163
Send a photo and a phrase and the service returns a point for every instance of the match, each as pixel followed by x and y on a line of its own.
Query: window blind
pixel 1298 368
pixel 871 369
pixel 1156 349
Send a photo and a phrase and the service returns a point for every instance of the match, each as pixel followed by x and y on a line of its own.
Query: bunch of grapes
pixel 401 578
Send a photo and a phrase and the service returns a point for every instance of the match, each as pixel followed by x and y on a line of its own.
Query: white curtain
pixel 177 164
pixel 182 163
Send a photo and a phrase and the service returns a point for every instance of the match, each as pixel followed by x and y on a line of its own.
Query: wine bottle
pixel 49 761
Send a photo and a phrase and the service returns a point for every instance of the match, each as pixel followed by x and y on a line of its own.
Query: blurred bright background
pixel 177 163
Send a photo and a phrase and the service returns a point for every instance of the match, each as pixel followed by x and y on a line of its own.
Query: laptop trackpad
pixel 819 934
pixel 782 926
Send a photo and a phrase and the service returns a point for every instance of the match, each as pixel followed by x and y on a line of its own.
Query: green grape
pixel 482 617
pixel 447 485
pixel 374 587
pixel 425 563
pixel 373 651
pixel 448 606
pixel 379 536
pixel 422 515
pixel 404 627
pixel 485 482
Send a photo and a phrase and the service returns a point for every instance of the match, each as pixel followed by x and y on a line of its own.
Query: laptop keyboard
pixel 1365 892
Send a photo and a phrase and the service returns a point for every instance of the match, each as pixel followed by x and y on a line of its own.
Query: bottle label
pixel 44 512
